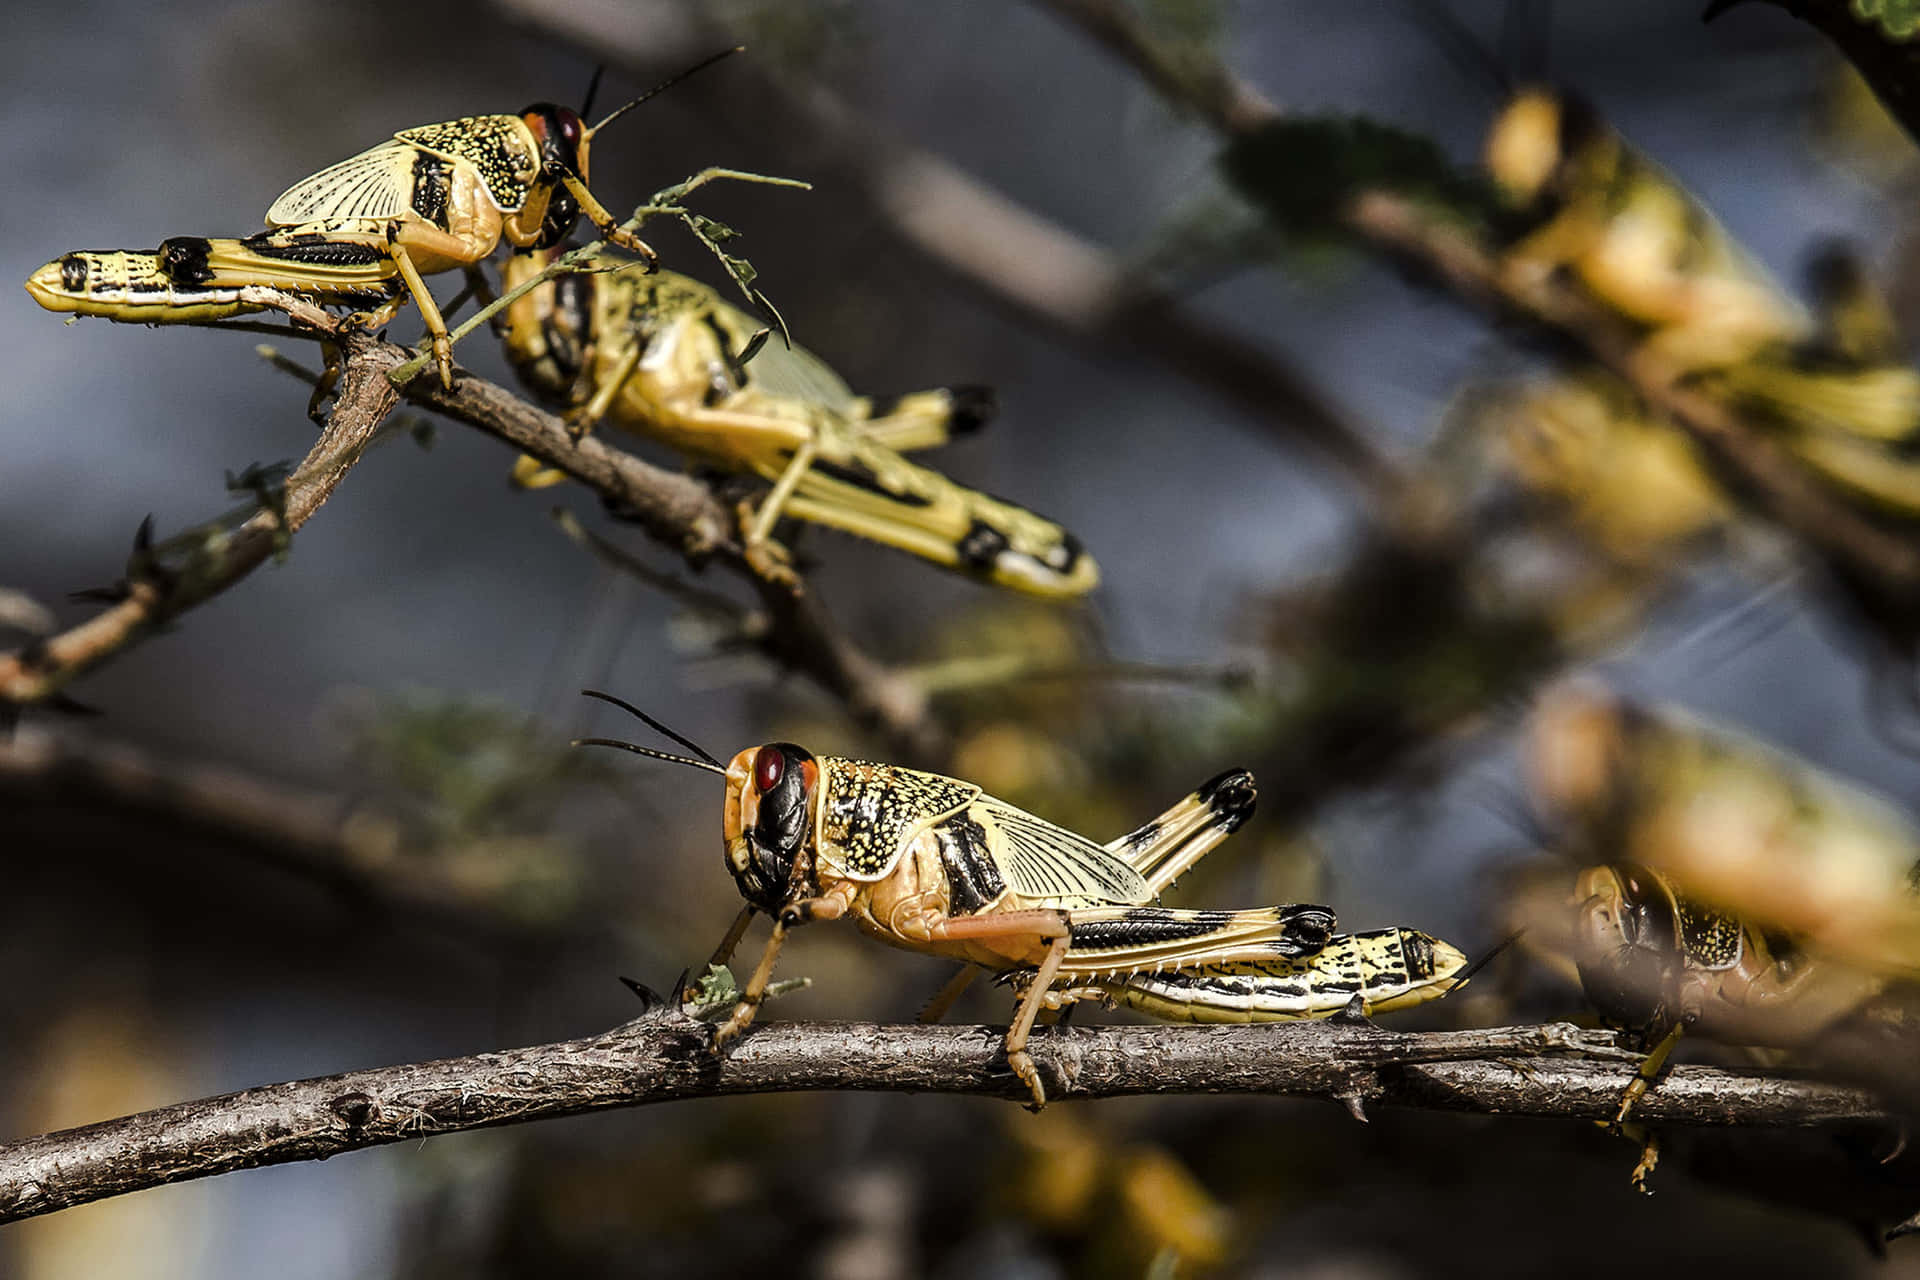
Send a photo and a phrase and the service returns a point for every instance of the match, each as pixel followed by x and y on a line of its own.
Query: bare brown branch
pixel 1554 1070
pixel 673 508
pixel 1192 78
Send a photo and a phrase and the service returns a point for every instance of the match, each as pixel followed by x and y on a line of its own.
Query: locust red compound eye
pixel 768 765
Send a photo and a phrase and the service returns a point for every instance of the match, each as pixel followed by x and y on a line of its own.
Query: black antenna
pixel 705 761
pixel 667 84
pixel 593 91
pixel 1482 962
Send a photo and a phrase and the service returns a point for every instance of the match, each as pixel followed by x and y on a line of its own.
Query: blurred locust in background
pixel 1834 386
pixel 1738 895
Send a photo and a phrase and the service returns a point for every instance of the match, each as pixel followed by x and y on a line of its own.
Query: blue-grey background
pixel 127 123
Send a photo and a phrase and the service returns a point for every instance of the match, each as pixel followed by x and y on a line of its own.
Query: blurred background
pixel 329 820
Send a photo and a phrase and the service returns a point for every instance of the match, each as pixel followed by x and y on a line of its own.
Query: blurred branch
pixel 1555 1070
pixel 153 593
pixel 1190 78
pixel 1041 270
pixel 45 781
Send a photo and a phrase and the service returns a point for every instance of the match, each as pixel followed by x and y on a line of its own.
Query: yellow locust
pixel 660 354
pixel 934 864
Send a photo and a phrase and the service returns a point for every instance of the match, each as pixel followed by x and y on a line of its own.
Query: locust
pixel 660 354
pixel 434 198
pixel 1706 917
pixel 933 864
pixel 1581 200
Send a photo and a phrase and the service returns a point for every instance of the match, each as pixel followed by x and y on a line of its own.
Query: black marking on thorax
pixel 973 877
pixel 870 809
pixel 736 371
pixel 494 145
pixel 432 187
pixel 1418 949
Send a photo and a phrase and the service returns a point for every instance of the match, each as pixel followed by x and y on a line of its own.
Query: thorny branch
pixel 154 594
pixel 674 508
pixel 1554 1070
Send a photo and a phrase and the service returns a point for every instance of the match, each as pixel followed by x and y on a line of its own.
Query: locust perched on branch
pixel 933 864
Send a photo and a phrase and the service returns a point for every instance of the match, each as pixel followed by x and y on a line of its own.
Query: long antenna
pixel 667 84
pixel 706 760
pixel 1482 962
pixel 648 751
pixel 593 90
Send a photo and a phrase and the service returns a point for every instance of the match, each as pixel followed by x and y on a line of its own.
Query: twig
pixel 362 854
pixel 1567 1073
pixel 155 594
pixel 1041 270
pixel 795 632
pixel 1190 78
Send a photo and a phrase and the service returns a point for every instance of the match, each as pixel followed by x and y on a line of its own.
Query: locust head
pixel 769 810
pixel 1626 942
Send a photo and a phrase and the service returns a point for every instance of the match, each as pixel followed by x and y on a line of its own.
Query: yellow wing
pixel 377 183
pixel 1040 860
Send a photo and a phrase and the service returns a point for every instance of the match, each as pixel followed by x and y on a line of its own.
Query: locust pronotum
pixel 429 199
pixel 661 354
pixel 933 864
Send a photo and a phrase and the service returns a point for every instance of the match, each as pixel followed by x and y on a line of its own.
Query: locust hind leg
pixel 1167 848
pixel 928 419
pixel 1051 928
